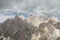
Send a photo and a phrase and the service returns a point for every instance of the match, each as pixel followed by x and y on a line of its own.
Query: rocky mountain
pixel 17 29
pixel 35 20
pixel 32 28
pixel 57 25
pixel 48 30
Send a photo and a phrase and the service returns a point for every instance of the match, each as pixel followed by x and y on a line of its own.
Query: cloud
pixel 35 7
pixel 29 5
pixel 38 11
pixel 25 4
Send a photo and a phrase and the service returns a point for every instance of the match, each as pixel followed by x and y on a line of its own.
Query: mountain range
pixel 32 28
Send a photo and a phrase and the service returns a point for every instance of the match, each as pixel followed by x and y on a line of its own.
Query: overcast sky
pixel 35 7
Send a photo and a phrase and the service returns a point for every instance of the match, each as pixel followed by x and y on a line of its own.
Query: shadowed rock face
pixel 45 33
pixel 17 29
pixel 57 25
pixel 42 26
pixel 54 23
pixel 58 38
pixel 1 38
pixel 0 33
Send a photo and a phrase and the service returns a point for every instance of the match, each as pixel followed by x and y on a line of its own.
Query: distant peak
pixel 16 16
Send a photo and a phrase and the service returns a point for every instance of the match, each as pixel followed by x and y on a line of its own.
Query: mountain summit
pixel 17 27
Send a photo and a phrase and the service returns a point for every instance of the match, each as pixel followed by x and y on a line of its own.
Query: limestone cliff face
pixel 47 30
pixel 35 20
pixel 52 20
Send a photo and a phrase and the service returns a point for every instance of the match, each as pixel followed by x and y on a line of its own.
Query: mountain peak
pixel 18 18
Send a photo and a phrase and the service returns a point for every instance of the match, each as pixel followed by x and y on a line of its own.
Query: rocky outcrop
pixel 17 29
